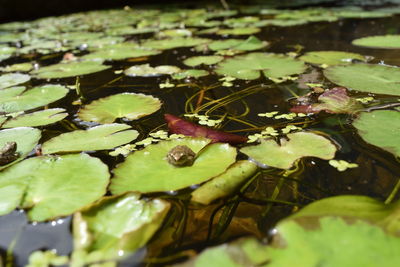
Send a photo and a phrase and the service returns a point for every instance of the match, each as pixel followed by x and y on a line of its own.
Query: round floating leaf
pixel 133 223
pixel 333 242
pixel 331 57
pixel 24 67
pixel 189 74
pixel 239 31
pixel 12 79
pixel 25 137
pixel 126 105
pixel 207 60
pixel 146 71
pixel 121 51
pixel 148 170
pixel 165 44
pixel 380 128
pixel 11 91
pixel 299 145
pixel 251 43
pixel 70 69
pixel 101 137
pixel 249 66
pixel 379 79
pixel 55 186
pixel 33 98
pixel 380 41
pixel 38 118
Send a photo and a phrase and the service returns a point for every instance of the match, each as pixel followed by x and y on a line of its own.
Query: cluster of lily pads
pixel 51 178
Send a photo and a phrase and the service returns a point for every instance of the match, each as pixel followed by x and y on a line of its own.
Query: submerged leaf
pixel 180 126
pixel 300 144
pixel 126 105
pixel 101 137
pixel 134 221
pixel 151 165
pixel 249 66
pixel 53 186
pixel 69 69
pixel 380 128
pixel 379 79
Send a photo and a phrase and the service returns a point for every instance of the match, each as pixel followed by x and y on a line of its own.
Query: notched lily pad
pixel 100 137
pixel 70 69
pixel 380 128
pixel 32 98
pixel 299 145
pixel 12 79
pixel 330 58
pixel 126 105
pixel 151 164
pixel 379 79
pixel 251 43
pixel 248 67
pixel 134 221
pixel 38 118
pixel 146 70
pixel 51 186
pixel 198 60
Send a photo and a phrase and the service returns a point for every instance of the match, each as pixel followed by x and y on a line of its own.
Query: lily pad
pixel 100 137
pixel 165 44
pixel 207 60
pixel 331 58
pixel 12 79
pixel 379 41
pixel 53 186
pixel 251 43
pixel 380 128
pixel 70 69
pixel 299 145
pixel 379 79
pixel 150 164
pixel 134 221
pixel 239 31
pixel 146 71
pixel 192 73
pixel 126 105
pixel 248 67
pixel 33 98
pixel 26 139
pixel 121 51
pixel 38 118
pixel 321 244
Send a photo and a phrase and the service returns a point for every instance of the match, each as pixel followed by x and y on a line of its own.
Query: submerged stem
pixel 394 192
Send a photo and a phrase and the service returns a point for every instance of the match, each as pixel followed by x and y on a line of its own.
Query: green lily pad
pixel 26 139
pixel 33 98
pixel 379 79
pixel 207 60
pixel 248 67
pixel 380 128
pixel 24 67
pixel 165 44
pixel 100 137
pixel 224 184
pixel 126 105
pixel 331 58
pixel 12 91
pixel 333 243
pixel 53 186
pixel 146 70
pixel 12 79
pixel 6 52
pixel 38 118
pixel 121 51
pixel 192 73
pixel 70 69
pixel 134 221
pixel 150 164
pixel 299 145
pixel 379 41
pixel 251 43
pixel 239 31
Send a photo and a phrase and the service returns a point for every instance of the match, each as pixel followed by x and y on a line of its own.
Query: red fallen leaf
pixel 334 100
pixel 180 126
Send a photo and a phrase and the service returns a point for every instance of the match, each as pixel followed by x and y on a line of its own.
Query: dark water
pixel 252 211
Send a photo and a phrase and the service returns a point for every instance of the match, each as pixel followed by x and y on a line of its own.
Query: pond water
pixel 178 230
